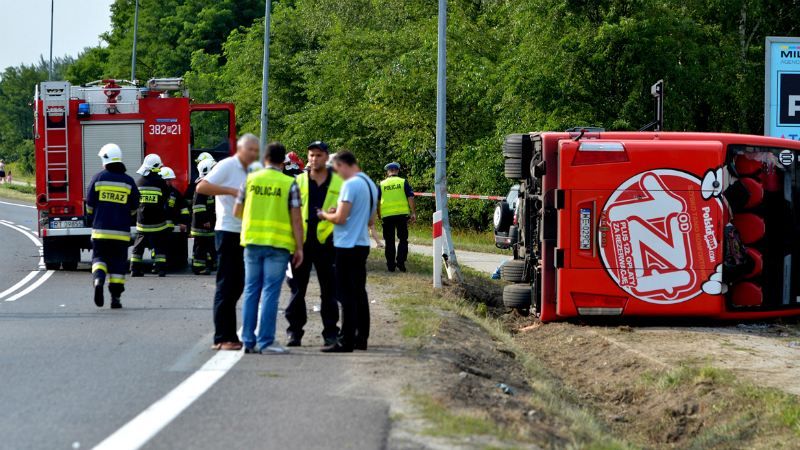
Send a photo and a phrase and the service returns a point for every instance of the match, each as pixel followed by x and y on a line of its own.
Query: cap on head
pixel 205 167
pixel 167 173
pixel 152 163
pixel 203 156
pixel 110 153
pixel 392 166
pixel 320 145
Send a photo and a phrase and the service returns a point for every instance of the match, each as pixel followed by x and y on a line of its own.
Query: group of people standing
pixel 255 218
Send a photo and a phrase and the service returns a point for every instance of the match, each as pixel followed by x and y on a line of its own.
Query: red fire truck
pixel 71 123
pixel 653 224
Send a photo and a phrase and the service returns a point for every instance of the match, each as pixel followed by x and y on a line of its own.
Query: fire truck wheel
pixel 513 169
pixel 514 145
pixel 70 265
pixel 52 265
pixel 517 296
pixel 513 271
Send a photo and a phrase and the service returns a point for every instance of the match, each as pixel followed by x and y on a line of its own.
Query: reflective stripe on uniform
pixel 160 258
pixel 89 209
pixel 113 186
pixel 115 235
pixel 136 259
pixel 116 278
pixel 100 266
pixel 199 208
pixel 151 228
pixel 201 233
pixel 153 189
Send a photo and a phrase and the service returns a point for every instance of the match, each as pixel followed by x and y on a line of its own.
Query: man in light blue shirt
pixel 355 213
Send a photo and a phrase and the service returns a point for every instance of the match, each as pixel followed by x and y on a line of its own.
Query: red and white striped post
pixel 437 249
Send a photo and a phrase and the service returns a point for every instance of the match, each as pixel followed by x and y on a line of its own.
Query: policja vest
pixel 267 220
pixel 324 227
pixel 393 197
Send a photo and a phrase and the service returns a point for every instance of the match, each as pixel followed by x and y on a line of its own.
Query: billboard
pixel 782 91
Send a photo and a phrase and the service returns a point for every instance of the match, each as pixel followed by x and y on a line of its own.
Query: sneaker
pixel 251 350
pixel 275 348
pixel 98 294
pixel 115 303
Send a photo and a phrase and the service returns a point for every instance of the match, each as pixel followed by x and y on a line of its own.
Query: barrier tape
pixel 463 196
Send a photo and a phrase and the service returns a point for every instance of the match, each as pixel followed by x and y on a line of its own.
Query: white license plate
pixel 63 224
pixel 586 229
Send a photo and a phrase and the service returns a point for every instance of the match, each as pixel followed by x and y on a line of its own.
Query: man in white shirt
pixel 224 182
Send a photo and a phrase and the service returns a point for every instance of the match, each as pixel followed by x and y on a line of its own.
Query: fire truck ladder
pixel 56 141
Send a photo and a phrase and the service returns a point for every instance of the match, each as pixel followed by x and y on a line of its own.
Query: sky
pixel 25 28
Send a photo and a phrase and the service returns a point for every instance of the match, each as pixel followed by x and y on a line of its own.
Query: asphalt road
pixel 73 375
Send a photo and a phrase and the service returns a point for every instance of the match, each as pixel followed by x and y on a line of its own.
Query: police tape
pixel 462 196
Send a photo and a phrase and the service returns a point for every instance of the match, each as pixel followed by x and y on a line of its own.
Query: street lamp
pixel 265 81
pixel 135 33
pixel 50 69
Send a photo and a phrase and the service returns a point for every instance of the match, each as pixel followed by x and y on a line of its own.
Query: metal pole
pixel 135 36
pixel 50 69
pixel 265 82
pixel 441 144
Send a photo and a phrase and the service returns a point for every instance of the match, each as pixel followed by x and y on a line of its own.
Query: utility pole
pixel 135 35
pixel 265 82
pixel 453 270
pixel 50 69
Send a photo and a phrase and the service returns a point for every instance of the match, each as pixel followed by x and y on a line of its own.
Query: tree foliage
pixel 361 74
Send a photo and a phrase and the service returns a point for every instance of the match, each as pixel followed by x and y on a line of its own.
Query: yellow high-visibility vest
pixel 324 228
pixel 267 220
pixel 393 197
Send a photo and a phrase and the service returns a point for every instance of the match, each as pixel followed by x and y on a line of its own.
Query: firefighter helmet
pixel 205 167
pixel 167 173
pixel 152 163
pixel 110 153
pixel 204 156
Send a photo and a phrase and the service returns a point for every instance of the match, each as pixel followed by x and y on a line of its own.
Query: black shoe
pixel 162 274
pixel 391 269
pixel 115 303
pixel 136 274
pixel 98 294
pixel 402 267
pixel 360 345
pixel 252 351
pixel 294 342
pixel 206 272
pixel 337 348
pixel 329 341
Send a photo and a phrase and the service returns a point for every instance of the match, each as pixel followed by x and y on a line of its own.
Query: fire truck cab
pixel 72 123
pixel 654 224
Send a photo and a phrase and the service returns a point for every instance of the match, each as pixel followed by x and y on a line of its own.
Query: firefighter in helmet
pixel 177 206
pixel 204 252
pixel 111 201
pixel 151 219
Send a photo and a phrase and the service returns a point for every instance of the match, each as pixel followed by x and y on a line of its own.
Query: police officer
pixel 319 190
pixel 151 219
pixel 204 252
pixel 397 209
pixel 111 201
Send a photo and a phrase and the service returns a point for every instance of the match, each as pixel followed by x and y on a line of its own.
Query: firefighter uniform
pixel 395 210
pixel 204 252
pixel 317 251
pixel 151 221
pixel 112 200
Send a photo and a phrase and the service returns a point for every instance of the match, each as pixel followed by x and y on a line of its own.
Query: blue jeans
pixel 264 271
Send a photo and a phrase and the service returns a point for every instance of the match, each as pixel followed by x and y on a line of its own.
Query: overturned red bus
pixel 653 224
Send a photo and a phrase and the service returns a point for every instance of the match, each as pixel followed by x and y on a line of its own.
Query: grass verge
pixel 468 240
pixel 17 192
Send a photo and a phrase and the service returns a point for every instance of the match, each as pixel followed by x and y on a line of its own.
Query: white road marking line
pixel 23 281
pixel 27 234
pixel 33 286
pixel 136 433
pixel 17 204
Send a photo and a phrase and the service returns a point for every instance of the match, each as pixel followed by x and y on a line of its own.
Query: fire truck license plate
pixel 586 229
pixel 63 224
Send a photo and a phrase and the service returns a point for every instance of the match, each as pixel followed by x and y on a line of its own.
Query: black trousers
pixel 396 225
pixel 156 242
pixel 321 256
pixel 204 253
pixel 230 284
pixel 351 291
pixel 110 263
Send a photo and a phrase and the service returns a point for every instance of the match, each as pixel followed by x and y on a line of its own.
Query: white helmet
pixel 167 173
pixel 152 163
pixel 110 153
pixel 205 167
pixel 255 167
pixel 204 156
